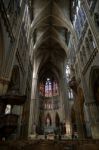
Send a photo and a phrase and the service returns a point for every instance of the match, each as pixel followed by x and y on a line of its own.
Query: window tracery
pixel 49 88
pixel 79 19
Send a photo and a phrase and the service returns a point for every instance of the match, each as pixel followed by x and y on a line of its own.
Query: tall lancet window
pixel 48 88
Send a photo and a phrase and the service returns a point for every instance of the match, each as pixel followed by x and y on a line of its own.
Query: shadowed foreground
pixel 50 145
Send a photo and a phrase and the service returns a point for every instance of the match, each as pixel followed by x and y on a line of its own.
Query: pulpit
pixel 9 122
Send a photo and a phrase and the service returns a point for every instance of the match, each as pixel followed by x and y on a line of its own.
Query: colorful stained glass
pixel 48 89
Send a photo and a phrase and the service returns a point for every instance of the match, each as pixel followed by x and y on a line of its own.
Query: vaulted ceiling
pixel 50 30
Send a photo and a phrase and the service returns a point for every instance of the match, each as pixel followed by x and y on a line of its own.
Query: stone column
pixel 62 113
pixel 86 100
pixel 85 92
pixel 93 111
pixel 79 120
pixel 79 124
pixel 33 108
pixel 34 96
pixel 63 95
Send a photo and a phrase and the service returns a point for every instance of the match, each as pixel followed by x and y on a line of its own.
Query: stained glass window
pixel 8 109
pixel 79 19
pixel 49 88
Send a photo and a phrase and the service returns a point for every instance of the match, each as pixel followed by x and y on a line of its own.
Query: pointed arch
pixel 57 120
pixel 65 22
pixel 94 83
pixel 48 120
pixel 57 16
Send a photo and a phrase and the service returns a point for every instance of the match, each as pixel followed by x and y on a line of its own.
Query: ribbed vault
pixel 50 32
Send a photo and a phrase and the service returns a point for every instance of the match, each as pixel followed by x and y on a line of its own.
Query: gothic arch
pixel 14 85
pixel 48 120
pixel 58 20
pixel 94 83
pixel 57 38
pixel 57 120
pixel 49 69
pixel 61 19
pixel 40 119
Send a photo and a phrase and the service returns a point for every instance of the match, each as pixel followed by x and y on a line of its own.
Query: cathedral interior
pixel 49 74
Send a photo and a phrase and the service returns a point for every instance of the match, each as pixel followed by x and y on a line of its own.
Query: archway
pixel 40 126
pixel 94 94
pixel 94 84
pixel 48 120
pixel 96 91
pixel 96 87
pixel 57 120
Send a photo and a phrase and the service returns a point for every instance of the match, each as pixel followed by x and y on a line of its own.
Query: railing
pixel 13 99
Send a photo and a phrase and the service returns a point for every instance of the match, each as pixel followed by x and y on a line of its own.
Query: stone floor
pixel 45 144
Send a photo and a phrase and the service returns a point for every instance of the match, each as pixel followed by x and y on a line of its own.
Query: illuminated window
pixel 79 19
pixel 67 73
pixel 70 94
pixel 48 88
pixel 8 109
